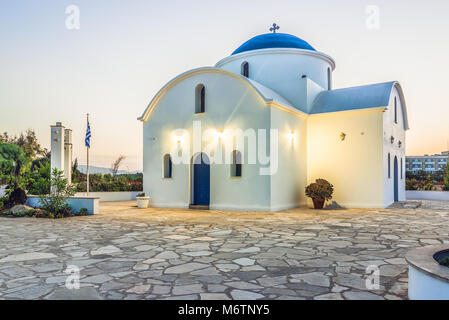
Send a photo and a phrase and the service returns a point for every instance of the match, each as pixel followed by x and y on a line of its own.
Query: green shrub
pixel 320 189
pixel 446 179
pixel 444 262
pixel 82 212
pixel 27 213
pixel 56 202
pixel 141 194
pixel 40 187
pixel 411 184
pixel 14 168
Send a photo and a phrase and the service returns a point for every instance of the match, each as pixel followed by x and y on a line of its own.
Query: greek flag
pixel 87 140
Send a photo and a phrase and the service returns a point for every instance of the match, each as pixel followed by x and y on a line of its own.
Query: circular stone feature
pixel 427 279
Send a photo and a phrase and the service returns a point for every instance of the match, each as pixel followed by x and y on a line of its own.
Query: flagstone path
pixel 127 253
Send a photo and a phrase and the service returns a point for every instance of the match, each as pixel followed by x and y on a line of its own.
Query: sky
pixel 125 51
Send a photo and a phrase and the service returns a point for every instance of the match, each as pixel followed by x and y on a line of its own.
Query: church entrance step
pixel 198 207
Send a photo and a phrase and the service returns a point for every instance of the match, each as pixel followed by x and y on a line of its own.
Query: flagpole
pixel 87 171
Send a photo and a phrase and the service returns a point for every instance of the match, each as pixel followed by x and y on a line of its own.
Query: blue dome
pixel 273 40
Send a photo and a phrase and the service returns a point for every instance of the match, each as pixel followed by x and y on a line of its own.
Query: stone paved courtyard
pixel 127 253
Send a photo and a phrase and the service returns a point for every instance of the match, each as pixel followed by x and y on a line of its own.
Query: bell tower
pixel 61 150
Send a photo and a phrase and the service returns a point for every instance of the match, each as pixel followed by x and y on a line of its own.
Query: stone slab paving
pixel 130 253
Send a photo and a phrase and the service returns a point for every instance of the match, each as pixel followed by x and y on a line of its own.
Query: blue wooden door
pixel 201 180
pixel 396 180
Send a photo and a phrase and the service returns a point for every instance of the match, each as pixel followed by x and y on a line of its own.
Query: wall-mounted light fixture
pixel 291 136
pixel 178 136
pixel 400 144
pixel 342 136
pixel 179 139
pixel 392 139
pixel 219 134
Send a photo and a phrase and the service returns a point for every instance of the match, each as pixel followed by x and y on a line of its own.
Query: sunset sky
pixel 125 51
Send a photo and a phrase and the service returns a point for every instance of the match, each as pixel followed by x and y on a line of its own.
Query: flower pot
pixel 318 203
pixel 142 202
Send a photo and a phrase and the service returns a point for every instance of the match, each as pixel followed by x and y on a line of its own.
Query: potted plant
pixel 320 191
pixel 142 200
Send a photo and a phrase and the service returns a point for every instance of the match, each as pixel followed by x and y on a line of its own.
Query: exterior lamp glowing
pixel 179 139
pixel 291 136
pixel 219 135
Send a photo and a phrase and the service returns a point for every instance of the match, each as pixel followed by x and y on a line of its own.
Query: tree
pixel 60 190
pixel 39 181
pixel 28 142
pixel 428 184
pixel 75 171
pixel 116 165
pixel 14 165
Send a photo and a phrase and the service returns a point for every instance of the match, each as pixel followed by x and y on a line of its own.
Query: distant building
pixel 427 163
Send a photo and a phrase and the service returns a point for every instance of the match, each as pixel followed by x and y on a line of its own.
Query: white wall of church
pixel 354 166
pixel 396 130
pixel 282 70
pixel 230 104
pixel 289 182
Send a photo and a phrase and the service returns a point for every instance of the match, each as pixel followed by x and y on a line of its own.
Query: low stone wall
pixel 111 196
pixel 76 203
pixel 427 195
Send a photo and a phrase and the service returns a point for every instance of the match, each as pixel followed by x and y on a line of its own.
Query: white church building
pixel 251 132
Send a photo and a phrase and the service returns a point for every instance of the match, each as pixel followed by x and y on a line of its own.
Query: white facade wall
pixel 397 130
pixel 353 165
pixel 230 104
pixel 282 69
pixel 289 181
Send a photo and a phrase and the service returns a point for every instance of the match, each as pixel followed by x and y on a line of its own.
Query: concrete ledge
pixel 111 196
pixel 76 203
pixel 427 195
pixel 428 280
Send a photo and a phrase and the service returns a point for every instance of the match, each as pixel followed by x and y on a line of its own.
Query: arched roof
pixel 267 94
pixel 273 40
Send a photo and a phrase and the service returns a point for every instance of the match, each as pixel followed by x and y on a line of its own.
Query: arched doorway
pixel 396 180
pixel 200 184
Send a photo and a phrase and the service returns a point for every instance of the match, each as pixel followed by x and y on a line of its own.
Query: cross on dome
pixel 274 28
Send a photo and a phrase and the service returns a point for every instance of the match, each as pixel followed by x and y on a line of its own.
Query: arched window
pixel 167 167
pixel 236 166
pixel 200 98
pixel 389 165
pixel 329 80
pixel 245 69
pixel 395 110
